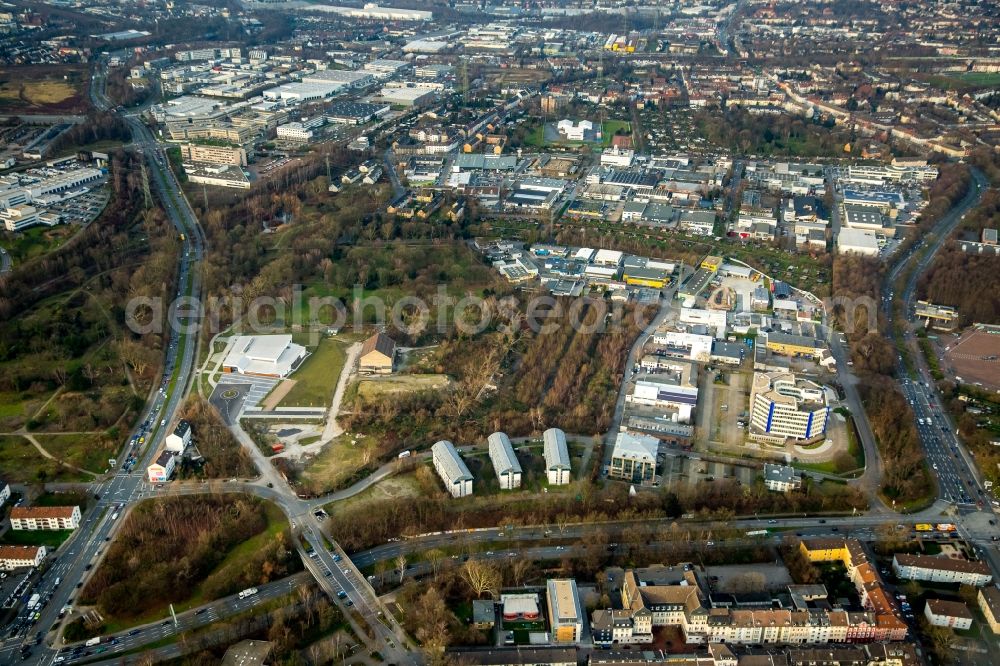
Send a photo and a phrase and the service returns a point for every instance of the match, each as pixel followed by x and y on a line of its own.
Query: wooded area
pixel 62 321
pixel 564 378
pixel 224 456
pixel 904 473
pixel 166 549
pixel 743 133
pixel 368 524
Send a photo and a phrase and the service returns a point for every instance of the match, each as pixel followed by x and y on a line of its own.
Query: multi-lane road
pixel 957 478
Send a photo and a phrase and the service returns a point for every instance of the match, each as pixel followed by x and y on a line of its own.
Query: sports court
pixel 975 356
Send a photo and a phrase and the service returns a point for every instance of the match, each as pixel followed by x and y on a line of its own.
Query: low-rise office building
pixel 565 611
pixel 194 152
pixel 781 478
pixel 452 469
pixel 505 464
pixel 179 439
pixel 634 458
pixel 783 408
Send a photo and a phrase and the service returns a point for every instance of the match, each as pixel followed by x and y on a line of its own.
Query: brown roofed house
pixel 377 355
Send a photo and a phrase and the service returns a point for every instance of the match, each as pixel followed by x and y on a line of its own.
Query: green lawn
pixel 537 137
pixel 34 242
pixel 89 452
pixel 316 378
pixel 966 80
pixel 336 465
pixel 20 462
pixel 51 539
pixel 610 127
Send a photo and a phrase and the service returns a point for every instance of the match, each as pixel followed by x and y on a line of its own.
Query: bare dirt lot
pixel 975 357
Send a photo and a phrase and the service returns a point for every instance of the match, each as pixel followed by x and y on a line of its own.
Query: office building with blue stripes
pixel 785 408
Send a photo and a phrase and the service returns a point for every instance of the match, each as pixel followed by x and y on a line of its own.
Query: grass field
pixel 20 462
pixel 610 127
pixel 89 452
pixel 34 242
pixel 394 487
pixel 42 86
pixel 966 80
pixel 368 388
pixel 336 465
pixel 37 92
pixel 316 379
pixel 51 539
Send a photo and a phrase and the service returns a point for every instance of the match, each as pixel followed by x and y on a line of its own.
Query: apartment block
pixel 941 569
pixel 505 464
pixel 452 469
pixel 32 518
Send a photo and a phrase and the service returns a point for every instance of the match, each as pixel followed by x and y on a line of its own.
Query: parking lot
pixel 82 208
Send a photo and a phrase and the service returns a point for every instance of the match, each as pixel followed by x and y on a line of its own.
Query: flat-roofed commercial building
pixel 634 458
pixel 401 96
pixel 505 463
pixel 234 155
pixel 942 317
pixel 354 113
pixel 565 612
pixel 32 518
pixel 264 355
pixel 557 463
pixel 20 217
pixel 452 469
pixel 222 175
pixel 857 241
pixel 781 478
pixel 783 407
pixel 343 77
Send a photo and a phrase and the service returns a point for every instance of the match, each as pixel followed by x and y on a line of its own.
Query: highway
pixel 957 478
pixel 83 549
pixel 135 637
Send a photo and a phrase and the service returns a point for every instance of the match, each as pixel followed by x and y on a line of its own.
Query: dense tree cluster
pixel 857 285
pixel 367 525
pixel 62 316
pixel 970 282
pixel 98 126
pixel 119 89
pixel 744 133
pixel 165 548
pixel 966 281
pixel 567 377
pixel 224 456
